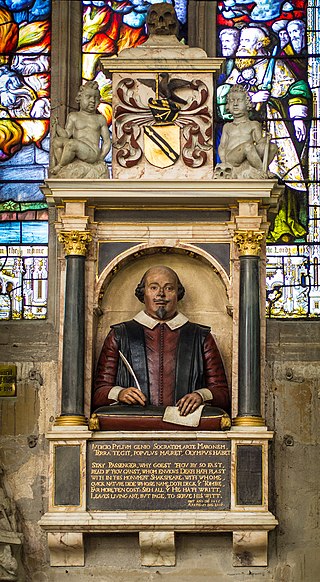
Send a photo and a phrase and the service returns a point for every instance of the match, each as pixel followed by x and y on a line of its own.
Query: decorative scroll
pixel 129 116
pixel 197 127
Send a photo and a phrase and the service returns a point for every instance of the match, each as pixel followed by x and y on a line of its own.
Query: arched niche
pixel 207 291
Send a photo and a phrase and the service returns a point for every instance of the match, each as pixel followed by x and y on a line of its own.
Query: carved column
pixel 249 373
pixel 72 399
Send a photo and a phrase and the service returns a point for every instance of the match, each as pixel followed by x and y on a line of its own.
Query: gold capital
pixel 248 242
pixel 75 242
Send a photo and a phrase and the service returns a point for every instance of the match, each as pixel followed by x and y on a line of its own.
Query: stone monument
pixel 163 206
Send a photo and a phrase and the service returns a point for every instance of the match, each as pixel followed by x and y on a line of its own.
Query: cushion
pixel 126 417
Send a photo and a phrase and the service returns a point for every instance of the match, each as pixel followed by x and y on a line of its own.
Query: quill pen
pixel 130 369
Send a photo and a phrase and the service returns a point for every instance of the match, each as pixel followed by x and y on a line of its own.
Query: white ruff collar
pixel 178 321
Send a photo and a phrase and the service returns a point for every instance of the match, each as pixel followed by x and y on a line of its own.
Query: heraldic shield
pixel 162 144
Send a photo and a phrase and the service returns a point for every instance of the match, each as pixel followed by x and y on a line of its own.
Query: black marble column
pixel 249 353
pixel 72 398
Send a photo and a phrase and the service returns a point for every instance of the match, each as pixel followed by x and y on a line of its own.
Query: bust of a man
pixel 174 361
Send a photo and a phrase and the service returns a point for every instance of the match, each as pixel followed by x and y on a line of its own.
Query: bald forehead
pixel 155 272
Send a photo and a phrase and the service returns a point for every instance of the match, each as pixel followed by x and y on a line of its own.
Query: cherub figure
pixel 243 150
pixel 85 136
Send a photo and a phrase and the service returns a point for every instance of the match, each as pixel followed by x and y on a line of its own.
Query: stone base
pixel 250 548
pixel 155 522
pixel 66 549
pixel 157 548
pixel 157 531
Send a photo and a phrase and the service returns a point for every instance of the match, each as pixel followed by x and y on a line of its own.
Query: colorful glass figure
pixel 266 51
pixel 24 155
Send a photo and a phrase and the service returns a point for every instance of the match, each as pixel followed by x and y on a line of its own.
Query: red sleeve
pixel 106 372
pixel 215 376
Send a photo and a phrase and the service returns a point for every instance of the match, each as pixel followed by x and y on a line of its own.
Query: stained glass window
pixel 271 49
pixel 111 26
pixel 24 156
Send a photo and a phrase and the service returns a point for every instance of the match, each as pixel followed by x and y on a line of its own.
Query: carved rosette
pixel 75 242
pixel 131 115
pixel 249 242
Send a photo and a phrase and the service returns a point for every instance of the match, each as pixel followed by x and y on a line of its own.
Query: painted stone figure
pixel 244 152
pixel 80 148
pixel 174 361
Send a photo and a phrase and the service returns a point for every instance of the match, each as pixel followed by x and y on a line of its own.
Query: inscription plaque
pixel 151 475
pixel 8 380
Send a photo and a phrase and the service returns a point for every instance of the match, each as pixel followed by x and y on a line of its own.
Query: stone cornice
pixel 195 65
pixel 209 193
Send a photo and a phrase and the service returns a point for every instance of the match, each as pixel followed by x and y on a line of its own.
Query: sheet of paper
pixel 172 414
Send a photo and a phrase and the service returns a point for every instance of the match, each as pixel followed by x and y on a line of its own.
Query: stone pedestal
pixel 243 510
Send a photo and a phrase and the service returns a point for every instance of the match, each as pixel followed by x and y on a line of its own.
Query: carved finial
pixel 75 242
pixel 248 242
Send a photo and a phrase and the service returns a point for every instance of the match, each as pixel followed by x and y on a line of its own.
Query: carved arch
pixel 145 249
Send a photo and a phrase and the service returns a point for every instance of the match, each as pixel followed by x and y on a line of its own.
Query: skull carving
pixel 162 20
pixel 222 171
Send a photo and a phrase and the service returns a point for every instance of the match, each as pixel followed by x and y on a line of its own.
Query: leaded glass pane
pixel 266 44
pixel 25 29
pixel 23 281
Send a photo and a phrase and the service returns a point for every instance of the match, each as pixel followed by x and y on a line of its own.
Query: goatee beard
pixel 161 312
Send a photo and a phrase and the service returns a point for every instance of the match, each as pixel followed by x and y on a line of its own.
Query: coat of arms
pixel 175 122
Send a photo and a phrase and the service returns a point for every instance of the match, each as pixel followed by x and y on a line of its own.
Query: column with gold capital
pixel 72 400
pixel 249 373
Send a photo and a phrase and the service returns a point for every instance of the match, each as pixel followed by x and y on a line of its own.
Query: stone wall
pixel 293 391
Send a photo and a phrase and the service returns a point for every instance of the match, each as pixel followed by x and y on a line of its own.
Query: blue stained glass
pixel 21 192
pixel 28 10
pixel 34 232
pixel 25 232
pixel 10 233
pixel 24 96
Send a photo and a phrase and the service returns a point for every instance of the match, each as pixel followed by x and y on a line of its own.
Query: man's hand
pixel 300 129
pixel 189 403
pixel 260 96
pixel 132 396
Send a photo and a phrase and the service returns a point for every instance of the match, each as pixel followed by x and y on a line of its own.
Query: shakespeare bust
pixel 80 148
pixel 174 361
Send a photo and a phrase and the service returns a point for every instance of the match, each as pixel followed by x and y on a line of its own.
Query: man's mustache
pixel 159 299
